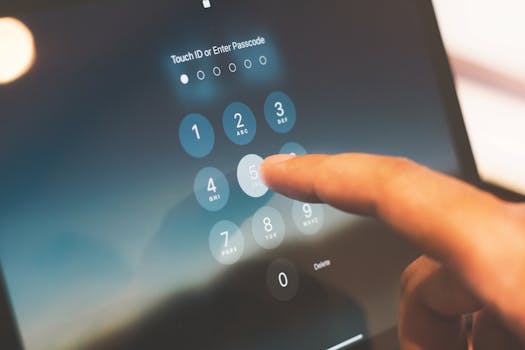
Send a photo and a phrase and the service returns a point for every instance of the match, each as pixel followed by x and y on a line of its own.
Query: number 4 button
pixel 211 189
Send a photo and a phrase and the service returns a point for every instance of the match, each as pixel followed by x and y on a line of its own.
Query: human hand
pixel 475 243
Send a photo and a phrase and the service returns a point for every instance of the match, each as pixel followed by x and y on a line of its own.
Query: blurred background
pixel 484 40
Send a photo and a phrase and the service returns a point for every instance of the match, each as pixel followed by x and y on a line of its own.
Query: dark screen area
pixel 108 238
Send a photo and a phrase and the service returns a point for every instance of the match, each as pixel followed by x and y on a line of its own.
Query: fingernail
pixel 278 158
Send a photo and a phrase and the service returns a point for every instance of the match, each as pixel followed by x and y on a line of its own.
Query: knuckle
pixel 398 170
pixel 416 273
pixel 409 277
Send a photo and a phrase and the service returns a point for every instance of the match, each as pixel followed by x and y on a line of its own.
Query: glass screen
pixel 132 212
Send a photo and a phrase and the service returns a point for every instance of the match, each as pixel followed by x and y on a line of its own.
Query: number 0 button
pixel 279 112
pixel 196 135
pixel 239 123
pixel 211 189
pixel 282 280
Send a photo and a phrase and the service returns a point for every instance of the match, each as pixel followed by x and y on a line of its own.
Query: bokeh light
pixel 17 49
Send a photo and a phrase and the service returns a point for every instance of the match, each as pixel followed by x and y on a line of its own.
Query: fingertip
pixel 269 164
pixel 277 158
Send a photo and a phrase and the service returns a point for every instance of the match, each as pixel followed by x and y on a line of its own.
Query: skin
pixel 474 243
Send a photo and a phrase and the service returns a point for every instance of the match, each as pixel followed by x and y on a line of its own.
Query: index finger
pixel 481 237
pixel 443 216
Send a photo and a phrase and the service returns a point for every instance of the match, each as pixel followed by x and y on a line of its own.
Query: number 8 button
pixel 239 123
pixel 279 112
pixel 268 227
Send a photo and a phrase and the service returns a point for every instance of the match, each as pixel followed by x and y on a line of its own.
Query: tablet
pixel 132 211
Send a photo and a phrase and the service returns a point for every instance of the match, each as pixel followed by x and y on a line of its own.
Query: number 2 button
pixel 239 123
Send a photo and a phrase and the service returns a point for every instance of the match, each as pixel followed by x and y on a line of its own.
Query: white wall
pixel 488 38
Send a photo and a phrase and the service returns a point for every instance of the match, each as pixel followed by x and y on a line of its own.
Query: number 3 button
pixel 239 123
pixel 279 111
pixel 211 189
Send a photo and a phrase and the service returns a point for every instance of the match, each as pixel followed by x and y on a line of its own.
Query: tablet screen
pixel 132 210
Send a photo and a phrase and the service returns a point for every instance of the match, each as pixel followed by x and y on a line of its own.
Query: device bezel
pixel 9 333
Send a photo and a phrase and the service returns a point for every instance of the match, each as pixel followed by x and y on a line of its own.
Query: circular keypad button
pixel 279 112
pixel 268 227
pixel 211 189
pixel 249 177
pixel 293 148
pixel 226 242
pixel 282 280
pixel 239 123
pixel 308 217
pixel 196 135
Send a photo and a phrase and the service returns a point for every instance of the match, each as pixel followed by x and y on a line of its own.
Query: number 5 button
pixel 279 112
pixel 196 135
pixel 249 178
pixel 239 123
pixel 211 189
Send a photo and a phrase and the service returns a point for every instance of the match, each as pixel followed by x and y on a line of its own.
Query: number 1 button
pixel 239 123
pixel 196 135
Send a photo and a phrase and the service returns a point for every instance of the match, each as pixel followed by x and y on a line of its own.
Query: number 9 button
pixel 279 112
pixel 308 217
pixel 239 123
pixel 211 189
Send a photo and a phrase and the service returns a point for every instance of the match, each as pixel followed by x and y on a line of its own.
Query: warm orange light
pixel 17 49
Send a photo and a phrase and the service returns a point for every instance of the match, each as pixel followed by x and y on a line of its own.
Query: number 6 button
pixel 196 135
pixel 211 189
pixel 279 112
pixel 239 123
